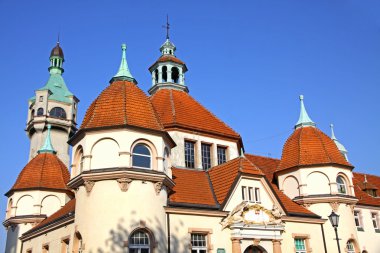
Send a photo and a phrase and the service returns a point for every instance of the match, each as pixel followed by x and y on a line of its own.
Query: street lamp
pixel 334 219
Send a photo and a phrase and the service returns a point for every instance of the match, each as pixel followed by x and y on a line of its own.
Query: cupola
pixel 168 72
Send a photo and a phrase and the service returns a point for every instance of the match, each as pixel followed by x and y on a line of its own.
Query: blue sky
pixel 248 63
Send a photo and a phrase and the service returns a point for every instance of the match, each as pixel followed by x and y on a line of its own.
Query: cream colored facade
pixel 116 201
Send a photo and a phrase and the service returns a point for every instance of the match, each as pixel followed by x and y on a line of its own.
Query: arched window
pixel 175 74
pixel 350 246
pixel 340 182
pixel 141 157
pixel 58 112
pixel 32 114
pixel 40 111
pixel 78 243
pixel 9 208
pixel 164 74
pixel 139 242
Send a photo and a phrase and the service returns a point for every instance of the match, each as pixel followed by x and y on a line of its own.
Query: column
pixel 160 74
pixel 236 245
pixel 153 78
pixel 169 71
pixel 276 246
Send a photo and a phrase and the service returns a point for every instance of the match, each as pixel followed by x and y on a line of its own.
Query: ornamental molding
pixel 124 183
pixel 325 198
pixel 121 173
pixel 252 214
pixel 352 207
pixel 158 187
pixel 89 185
pixel 334 206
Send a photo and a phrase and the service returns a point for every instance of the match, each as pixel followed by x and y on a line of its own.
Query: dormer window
pixel 41 98
pixel 141 157
pixel 340 182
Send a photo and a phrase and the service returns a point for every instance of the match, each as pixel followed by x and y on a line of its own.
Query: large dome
pixel 310 146
pixel 121 103
pixel 45 171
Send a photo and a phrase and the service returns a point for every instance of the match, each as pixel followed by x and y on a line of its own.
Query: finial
pixel 304 119
pixel 167 27
pixel 365 178
pixel 123 73
pixel 47 147
pixel 58 39
pixel 332 132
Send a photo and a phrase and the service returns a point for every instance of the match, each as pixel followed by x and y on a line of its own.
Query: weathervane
pixel 167 26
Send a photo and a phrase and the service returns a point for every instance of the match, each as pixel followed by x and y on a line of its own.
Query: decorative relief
pixel 306 205
pixel 124 183
pixel 89 185
pixel 158 187
pixel 334 206
pixel 249 213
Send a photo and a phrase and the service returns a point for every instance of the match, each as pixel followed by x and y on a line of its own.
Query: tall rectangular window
pixel 244 193
pixel 65 246
pixel 198 243
pixel 257 194
pixel 250 194
pixel 300 245
pixel 358 221
pixel 374 220
pixel 189 154
pixel 206 155
pixel 221 152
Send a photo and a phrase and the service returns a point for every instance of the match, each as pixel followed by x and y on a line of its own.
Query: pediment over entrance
pixel 252 214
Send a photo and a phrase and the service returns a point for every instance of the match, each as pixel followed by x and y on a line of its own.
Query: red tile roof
pixel 359 187
pixel 166 58
pixel 192 187
pixel 64 211
pixel 121 103
pixel 43 171
pixel 268 166
pixel 310 146
pixel 178 109
pixel 224 175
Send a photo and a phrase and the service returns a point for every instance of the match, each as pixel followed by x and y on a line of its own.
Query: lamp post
pixel 334 219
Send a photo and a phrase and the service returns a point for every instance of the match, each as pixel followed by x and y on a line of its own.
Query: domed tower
pixel 315 174
pixel 39 191
pixel 53 104
pixel 168 71
pixel 120 169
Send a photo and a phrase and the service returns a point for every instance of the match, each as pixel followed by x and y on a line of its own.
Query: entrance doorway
pixel 255 249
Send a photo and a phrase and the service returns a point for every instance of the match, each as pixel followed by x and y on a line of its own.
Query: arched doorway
pixel 255 249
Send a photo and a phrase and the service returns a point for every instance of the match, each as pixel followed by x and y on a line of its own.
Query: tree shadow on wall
pixel 117 242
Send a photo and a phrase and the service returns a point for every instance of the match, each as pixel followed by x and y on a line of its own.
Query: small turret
pixel 54 105
pixel 168 72
pixel 340 146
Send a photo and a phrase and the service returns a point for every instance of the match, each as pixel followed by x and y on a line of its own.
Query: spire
pixel 123 73
pixel 340 146
pixel 332 133
pixel 56 60
pixel 47 147
pixel 304 119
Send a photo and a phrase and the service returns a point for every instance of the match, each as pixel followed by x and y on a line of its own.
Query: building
pixel 161 173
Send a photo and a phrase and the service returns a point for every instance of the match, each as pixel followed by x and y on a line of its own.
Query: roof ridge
pixel 125 102
pixel 299 146
pixel 63 170
pixel 42 169
pixel 319 132
pixel 196 101
pixel 173 107
pixel 254 165
pixel 223 164
pixel 267 157
pixel 212 189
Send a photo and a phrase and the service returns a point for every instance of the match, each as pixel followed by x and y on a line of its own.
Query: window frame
pixel 341 186
pixel 206 160
pixel 140 246
pixel 62 115
pixel 190 164
pixel 142 155
pixel 220 156
pixel 40 112
pixel 306 239
pixel 358 218
pixel 203 231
